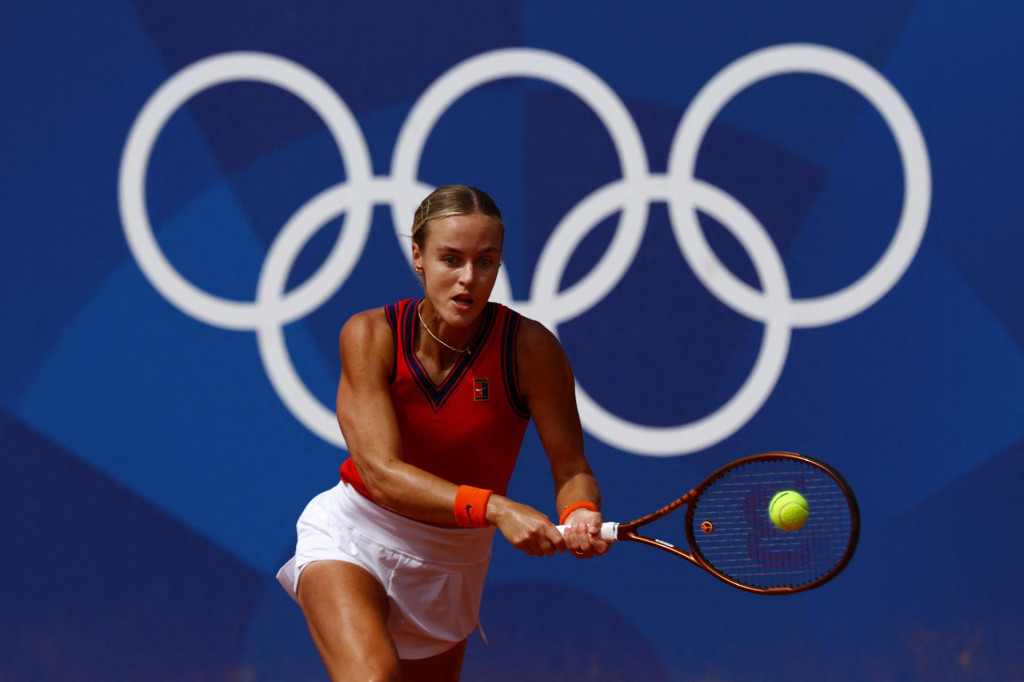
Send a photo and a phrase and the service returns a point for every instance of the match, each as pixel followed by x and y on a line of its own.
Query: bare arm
pixel 547 383
pixel 367 419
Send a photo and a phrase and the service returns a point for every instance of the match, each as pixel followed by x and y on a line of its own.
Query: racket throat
pixel 665 546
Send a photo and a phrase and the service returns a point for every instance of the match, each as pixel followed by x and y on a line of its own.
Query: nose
pixel 467 275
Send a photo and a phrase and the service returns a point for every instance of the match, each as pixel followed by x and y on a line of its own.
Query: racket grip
pixel 609 531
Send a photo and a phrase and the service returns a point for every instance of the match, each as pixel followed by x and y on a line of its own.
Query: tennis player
pixel 434 399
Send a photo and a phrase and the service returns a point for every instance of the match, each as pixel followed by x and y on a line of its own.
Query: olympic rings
pixel 630 196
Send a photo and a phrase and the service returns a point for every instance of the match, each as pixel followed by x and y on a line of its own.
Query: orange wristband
pixel 470 506
pixel 585 504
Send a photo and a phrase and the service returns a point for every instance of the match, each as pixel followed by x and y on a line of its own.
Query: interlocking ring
pixel 630 196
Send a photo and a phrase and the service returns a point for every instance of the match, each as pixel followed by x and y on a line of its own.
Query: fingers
pixel 583 535
pixel 555 543
pixel 579 540
pixel 529 531
pixel 546 541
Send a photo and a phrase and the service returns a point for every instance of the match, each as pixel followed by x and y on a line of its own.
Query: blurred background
pixel 783 226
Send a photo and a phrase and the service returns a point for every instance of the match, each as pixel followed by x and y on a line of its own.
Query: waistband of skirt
pixel 400 533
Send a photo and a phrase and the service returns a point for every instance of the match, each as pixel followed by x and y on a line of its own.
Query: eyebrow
pixel 452 249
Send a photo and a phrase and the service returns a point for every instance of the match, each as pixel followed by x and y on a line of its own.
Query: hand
pixel 583 534
pixel 524 527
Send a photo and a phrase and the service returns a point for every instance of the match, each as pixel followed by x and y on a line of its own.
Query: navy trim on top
pixel 391 313
pixel 509 368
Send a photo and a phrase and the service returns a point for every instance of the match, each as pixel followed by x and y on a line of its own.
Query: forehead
pixel 474 231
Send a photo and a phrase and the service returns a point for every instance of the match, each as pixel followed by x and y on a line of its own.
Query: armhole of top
pixel 392 312
pixel 509 366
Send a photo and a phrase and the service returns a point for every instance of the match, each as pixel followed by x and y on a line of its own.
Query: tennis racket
pixel 731 535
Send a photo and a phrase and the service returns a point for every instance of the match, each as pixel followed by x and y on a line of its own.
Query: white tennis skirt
pixel 434 577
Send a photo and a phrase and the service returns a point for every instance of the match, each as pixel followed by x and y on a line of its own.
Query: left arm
pixel 547 384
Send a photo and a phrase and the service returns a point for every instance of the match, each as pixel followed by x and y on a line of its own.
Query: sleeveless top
pixel 468 429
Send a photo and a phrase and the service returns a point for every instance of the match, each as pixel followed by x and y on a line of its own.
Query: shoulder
pixel 539 357
pixel 365 326
pixel 367 335
pixel 535 339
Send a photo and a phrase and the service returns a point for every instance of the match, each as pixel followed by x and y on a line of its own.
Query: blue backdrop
pixel 754 226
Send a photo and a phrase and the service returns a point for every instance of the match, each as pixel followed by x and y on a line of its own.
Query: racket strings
pixel 743 543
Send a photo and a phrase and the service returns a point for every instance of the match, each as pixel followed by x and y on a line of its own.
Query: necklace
pixel 465 350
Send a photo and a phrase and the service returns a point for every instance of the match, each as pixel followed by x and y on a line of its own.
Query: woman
pixel 434 398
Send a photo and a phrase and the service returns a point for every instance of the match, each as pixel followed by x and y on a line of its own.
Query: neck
pixel 463 350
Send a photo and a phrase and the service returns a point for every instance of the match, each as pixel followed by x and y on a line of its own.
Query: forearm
pixel 580 487
pixel 410 491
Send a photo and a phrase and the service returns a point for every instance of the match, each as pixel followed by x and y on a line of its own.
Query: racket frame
pixel 628 531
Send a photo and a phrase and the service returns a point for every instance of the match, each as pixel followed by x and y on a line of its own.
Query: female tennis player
pixel 434 399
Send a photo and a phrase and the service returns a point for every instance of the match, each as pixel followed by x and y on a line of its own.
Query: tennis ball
pixel 788 510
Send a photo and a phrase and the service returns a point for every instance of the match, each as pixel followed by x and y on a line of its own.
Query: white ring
pixel 713 428
pixel 844 68
pixel 525 63
pixel 190 81
pixel 274 277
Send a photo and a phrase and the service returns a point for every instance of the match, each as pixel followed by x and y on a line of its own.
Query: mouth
pixel 462 302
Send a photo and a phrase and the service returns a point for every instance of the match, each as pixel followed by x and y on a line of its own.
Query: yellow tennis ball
pixel 788 510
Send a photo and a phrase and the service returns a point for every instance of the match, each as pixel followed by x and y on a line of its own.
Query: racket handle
pixel 609 531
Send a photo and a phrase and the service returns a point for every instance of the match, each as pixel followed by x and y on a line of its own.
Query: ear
pixel 417 259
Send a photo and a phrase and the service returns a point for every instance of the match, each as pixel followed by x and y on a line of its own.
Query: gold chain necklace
pixel 465 350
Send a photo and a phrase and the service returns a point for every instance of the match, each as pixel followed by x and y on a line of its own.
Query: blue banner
pixel 754 227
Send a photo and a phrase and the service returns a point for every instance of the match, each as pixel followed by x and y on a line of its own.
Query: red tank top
pixel 467 430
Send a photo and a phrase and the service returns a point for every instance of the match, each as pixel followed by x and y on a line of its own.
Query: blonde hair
pixel 450 200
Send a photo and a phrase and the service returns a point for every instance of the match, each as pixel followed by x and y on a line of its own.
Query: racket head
pixel 731 535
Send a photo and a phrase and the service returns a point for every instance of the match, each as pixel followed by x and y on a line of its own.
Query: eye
pixel 450 260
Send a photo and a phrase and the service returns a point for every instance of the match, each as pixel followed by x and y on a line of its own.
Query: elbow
pixel 383 485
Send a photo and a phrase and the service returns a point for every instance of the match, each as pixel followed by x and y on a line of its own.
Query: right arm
pixel 368 423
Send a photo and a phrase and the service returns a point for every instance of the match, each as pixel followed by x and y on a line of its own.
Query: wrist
pixel 497 508
pixel 575 506
pixel 471 506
